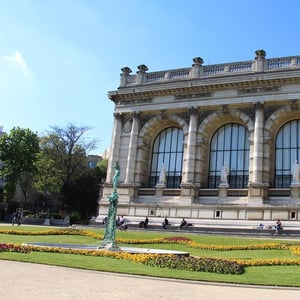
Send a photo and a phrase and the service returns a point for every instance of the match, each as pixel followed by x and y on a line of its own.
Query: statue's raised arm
pixel 116 176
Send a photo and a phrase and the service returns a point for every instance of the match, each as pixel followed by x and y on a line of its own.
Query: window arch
pixel 230 144
pixel 168 151
pixel 287 150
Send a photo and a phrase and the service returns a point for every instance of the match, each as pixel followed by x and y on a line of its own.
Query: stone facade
pixel 252 105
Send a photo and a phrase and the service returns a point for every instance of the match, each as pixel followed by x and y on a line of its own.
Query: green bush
pixel 75 217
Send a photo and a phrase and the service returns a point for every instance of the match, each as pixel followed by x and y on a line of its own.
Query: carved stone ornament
pixel 294 105
pixel 163 114
pixel 126 70
pixel 136 114
pixel 127 126
pixel 225 109
pixel 260 54
pixel 142 68
pixel 193 96
pixel 192 110
pixel 117 116
pixel 198 61
pixel 258 105
pixel 253 90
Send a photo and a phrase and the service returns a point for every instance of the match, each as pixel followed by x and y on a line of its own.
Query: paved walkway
pixel 40 282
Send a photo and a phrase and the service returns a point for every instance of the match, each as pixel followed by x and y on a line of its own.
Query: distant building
pixel 106 154
pixel 92 160
pixel 208 141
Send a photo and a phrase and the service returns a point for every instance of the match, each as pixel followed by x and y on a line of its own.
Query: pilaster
pixel 132 149
pixel 115 146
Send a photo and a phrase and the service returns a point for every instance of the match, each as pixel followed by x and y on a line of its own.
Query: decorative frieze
pixel 193 96
pixel 254 90
pixel 134 101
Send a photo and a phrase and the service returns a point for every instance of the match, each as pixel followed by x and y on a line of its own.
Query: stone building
pixel 208 141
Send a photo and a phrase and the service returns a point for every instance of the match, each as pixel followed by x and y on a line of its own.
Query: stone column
pixel 257 189
pixel 189 191
pixel 115 146
pixel 132 149
pixel 191 146
pixel 258 146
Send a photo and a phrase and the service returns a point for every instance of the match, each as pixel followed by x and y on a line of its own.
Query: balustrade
pixel 278 63
pixel 217 70
pixel 180 73
pixel 241 67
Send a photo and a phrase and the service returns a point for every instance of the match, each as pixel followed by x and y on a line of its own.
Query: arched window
pixel 230 145
pixel 168 152
pixel 287 151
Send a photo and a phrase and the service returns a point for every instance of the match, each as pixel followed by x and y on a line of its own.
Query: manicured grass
pixel 262 275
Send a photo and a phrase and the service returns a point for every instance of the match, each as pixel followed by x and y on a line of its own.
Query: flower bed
pixel 229 266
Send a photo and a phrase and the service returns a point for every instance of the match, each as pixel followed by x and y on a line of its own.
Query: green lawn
pixel 262 275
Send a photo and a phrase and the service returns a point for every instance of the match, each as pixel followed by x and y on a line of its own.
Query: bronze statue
pixel 110 229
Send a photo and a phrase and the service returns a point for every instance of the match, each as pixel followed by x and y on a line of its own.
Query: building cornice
pixel 255 82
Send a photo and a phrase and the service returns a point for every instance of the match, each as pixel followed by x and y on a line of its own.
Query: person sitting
pixel 183 223
pixel 122 224
pixel 165 223
pixel 144 223
pixel 278 226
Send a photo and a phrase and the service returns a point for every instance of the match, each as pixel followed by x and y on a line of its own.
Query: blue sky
pixel 59 58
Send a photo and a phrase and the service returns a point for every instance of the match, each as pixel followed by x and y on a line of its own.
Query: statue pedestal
pixel 159 190
pixel 223 187
pixel 46 222
pixel 295 190
pixel 109 246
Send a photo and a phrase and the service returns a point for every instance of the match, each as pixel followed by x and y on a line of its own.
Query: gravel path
pixel 33 281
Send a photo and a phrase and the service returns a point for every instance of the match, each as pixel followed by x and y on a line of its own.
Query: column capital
pixel 193 110
pixel 117 116
pixel 258 105
pixel 135 114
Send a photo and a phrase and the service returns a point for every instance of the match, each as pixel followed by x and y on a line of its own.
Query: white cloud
pixel 19 61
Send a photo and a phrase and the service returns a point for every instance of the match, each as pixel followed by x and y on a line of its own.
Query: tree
pixel 102 164
pixel 46 180
pixel 18 153
pixel 67 148
pixel 84 193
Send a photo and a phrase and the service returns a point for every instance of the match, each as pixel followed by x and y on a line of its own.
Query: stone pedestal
pixel 46 222
pixel 189 193
pixel 295 190
pixel 223 188
pixel 159 188
pixel 257 193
